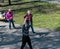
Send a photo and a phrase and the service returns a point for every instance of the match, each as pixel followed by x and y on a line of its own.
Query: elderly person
pixel 29 20
pixel 9 17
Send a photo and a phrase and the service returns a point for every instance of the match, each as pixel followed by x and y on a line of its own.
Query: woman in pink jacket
pixel 9 17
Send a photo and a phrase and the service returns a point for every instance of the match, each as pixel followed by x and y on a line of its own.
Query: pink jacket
pixel 9 15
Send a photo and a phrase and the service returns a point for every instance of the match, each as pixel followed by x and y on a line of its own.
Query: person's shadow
pixel 42 33
pixel 19 27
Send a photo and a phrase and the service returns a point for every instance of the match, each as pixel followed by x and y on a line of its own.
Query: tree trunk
pixel 9 2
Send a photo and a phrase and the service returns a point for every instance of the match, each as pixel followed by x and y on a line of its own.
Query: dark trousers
pixel 11 22
pixel 31 28
pixel 26 39
pixel 30 25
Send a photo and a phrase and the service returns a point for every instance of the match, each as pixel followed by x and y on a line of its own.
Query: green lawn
pixel 41 20
pixel 47 20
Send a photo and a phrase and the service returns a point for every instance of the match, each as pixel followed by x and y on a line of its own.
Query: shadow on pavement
pixel 9 39
pixel 3 26
pixel 4 20
pixel 57 29
pixel 41 33
pixel 19 27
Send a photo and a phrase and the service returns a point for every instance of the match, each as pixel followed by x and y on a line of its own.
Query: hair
pixel 28 10
pixel 9 9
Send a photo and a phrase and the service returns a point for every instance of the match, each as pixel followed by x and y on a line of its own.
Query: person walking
pixel 25 37
pixel 28 19
pixel 9 17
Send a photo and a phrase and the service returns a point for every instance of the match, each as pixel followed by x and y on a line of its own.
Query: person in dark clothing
pixel 29 20
pixel 25 37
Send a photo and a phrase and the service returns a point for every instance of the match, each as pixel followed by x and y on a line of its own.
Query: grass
pixel 47 20
pixel 51 20
pixel 45 15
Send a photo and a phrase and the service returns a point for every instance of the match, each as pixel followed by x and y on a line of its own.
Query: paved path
pixel 43 39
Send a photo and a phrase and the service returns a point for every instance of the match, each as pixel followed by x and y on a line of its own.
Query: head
pixel 28 12
pixel 25 27
pixel 9 10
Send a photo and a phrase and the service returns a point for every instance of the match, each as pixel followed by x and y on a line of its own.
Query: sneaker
pixel 33 32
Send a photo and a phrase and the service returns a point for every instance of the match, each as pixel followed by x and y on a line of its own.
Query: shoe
pixel 14 27
pixel 33 32
pixel 10 28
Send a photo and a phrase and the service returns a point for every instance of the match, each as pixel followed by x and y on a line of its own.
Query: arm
pixel 24 21
pixel 7 16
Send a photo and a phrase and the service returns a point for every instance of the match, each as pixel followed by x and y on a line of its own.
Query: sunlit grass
pixel 47 20
pixel 40 19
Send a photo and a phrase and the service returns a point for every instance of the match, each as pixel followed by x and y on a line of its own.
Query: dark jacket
pixel 25 30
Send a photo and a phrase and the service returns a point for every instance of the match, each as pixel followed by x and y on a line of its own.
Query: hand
pixel 25 25
pixel 8 19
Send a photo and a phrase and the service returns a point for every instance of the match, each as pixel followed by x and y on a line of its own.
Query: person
pixel 25 37
pixel 29 20
pixel 9 17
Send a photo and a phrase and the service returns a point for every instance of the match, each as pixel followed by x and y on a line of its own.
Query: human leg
pixel 23 42
pixel 29 42
pixel 13 23
pixel 9 24
pixel 32 28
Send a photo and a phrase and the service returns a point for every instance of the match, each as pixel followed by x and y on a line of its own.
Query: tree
pixel 9 2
